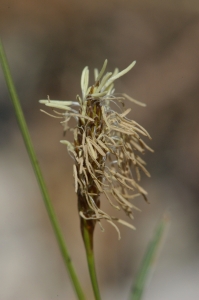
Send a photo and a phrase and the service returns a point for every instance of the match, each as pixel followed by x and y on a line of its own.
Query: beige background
pixel 48 43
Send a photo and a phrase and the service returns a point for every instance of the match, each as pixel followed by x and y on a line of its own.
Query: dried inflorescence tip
pixel 106 146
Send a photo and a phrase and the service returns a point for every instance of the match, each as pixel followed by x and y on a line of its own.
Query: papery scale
pixel 105 148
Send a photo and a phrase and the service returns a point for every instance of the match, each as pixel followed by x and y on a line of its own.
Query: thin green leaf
pixel 28 143
pixel 150 254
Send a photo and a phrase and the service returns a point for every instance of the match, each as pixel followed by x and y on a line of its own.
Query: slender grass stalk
pixel 87 230
pixel 144 270
pixel 87 234
pixel 28 143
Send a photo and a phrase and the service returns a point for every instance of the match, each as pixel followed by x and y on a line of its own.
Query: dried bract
pixel 106 146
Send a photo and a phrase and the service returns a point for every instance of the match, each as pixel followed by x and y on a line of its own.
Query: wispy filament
pixel 106 146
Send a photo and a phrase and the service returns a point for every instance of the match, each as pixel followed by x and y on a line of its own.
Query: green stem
pixel 27 140
pixel 87 233
pixel 150 254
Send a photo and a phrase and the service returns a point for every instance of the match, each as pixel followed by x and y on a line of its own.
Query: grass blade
pixel 150 254
pixel 29 146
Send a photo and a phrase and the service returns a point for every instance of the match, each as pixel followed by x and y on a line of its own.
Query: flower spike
pixel 106 147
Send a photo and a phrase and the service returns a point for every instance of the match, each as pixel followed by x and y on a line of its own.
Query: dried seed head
pixel 106 146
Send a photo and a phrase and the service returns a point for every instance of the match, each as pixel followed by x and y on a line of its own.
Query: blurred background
pixel 47 44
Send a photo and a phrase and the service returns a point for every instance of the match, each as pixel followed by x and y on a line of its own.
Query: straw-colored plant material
pixel 106 147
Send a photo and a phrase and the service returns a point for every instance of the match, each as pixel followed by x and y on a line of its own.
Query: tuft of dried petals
pixel 106 147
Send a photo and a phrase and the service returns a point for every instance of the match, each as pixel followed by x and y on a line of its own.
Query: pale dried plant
pixel 105 148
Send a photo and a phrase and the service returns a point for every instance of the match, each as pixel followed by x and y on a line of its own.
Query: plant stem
pixel 87 234
pixel 152 249
pixel 87 230
pixel 28 143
